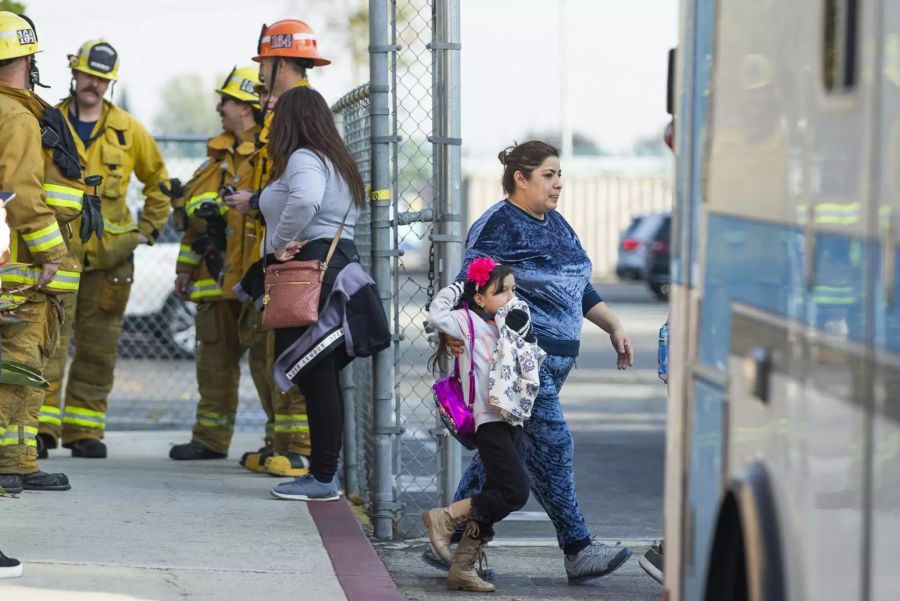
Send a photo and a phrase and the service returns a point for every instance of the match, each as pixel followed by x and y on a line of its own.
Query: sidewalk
pixel 139 526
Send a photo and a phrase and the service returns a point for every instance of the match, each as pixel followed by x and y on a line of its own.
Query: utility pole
pixel 565 97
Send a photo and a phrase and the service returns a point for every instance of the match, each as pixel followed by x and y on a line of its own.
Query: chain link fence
pixel 352 117
pixel 155 379
pixel 416 468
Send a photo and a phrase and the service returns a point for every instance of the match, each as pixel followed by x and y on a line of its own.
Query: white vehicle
pixel 783 442
pixel 157 324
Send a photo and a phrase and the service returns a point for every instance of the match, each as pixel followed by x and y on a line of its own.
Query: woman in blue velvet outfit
pixel 553 273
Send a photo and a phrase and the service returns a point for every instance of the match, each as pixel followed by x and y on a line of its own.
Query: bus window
pixel 839 45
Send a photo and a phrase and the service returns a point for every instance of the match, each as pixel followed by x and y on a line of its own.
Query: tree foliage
pixel 12 6
pixel 188 107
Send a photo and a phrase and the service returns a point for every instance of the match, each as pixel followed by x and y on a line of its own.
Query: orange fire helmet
pixel 289 38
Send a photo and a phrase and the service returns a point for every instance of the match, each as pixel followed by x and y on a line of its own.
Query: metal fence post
pixel 447 141
pixel 383 502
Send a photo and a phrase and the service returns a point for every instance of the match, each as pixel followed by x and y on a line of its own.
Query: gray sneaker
pixel 594 561
pixel 307 488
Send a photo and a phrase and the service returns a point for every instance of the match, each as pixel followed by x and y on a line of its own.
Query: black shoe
pixel 194 450
pixel 10 484
pixel 9 567
pixel 45 481
pixel 88 447
pixel 45 442
pixel 652 563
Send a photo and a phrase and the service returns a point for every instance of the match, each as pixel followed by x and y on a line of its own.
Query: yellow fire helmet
pixel 17 36
pixel 98 58
pixel 242 84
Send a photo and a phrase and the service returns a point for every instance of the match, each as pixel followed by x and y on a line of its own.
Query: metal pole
pixel 565 95
pixel 446 233
pixel 383 502
pixel 348 390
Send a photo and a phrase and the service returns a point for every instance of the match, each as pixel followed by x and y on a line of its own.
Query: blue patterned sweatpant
pixel 548 452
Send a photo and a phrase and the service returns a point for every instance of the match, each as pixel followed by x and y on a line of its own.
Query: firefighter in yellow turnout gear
pixel 38 162
pixel 113 144
pixel 217 247
pixel 287 49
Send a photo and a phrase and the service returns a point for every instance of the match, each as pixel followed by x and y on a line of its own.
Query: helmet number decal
pixel 282 40
pixel 26 36
pixel 247 86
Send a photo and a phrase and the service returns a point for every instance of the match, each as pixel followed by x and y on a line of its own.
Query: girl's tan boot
pixel 463 576
pixel 441 522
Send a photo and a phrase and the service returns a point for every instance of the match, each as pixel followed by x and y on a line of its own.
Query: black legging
pixel 321 383
pixel 321 386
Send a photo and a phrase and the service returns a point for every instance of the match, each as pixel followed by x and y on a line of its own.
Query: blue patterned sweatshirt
pixel 552 270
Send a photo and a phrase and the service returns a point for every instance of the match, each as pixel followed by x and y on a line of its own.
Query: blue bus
pixel 783 440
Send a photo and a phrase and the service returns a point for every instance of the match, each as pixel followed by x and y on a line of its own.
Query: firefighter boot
pixel 194 450
pixel 88 448
pixel 256 461
pixel 441 522
pixel 10 484
pixel 287 465
pixel 45 442
pixel 45 481
pixel 463 576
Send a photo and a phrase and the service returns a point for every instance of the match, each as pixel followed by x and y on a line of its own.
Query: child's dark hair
pixel 442 355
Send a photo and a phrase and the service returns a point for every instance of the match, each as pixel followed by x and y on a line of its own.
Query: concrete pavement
pixel 139 526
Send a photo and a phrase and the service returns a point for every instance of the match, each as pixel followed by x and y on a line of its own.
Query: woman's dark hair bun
pixel 524 157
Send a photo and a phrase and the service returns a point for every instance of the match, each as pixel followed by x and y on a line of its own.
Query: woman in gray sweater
pixel 314 188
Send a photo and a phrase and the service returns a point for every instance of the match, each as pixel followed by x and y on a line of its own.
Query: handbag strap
pixel 334 243
pixel 472 362
pixel 331 249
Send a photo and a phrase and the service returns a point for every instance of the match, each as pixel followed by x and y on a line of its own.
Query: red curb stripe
pixel 356 564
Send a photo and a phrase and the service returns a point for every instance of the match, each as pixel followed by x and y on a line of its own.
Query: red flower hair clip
pixel 480 271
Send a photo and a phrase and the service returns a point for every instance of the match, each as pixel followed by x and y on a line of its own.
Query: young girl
pixel 506 361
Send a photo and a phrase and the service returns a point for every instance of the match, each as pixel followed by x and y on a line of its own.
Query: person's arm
pixel 604 318
pixel 589 299
pixel 22 172
pixel 305 176
pixel 151 171
pixel 440 314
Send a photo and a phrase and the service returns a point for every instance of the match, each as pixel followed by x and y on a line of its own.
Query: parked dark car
pixel 658 257
pixel 632 260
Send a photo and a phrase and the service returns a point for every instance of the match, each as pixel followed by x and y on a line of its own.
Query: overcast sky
pixel 510 59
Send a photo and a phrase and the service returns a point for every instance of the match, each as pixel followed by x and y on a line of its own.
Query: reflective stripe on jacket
pixel 229 163
pixel 37 238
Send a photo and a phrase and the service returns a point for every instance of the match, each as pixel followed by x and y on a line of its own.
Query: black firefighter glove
pixel 91 217
pixel 175 191
pixel 213 258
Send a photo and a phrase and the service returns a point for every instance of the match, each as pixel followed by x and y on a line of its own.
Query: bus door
pixel 884 498
pixel 698 405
